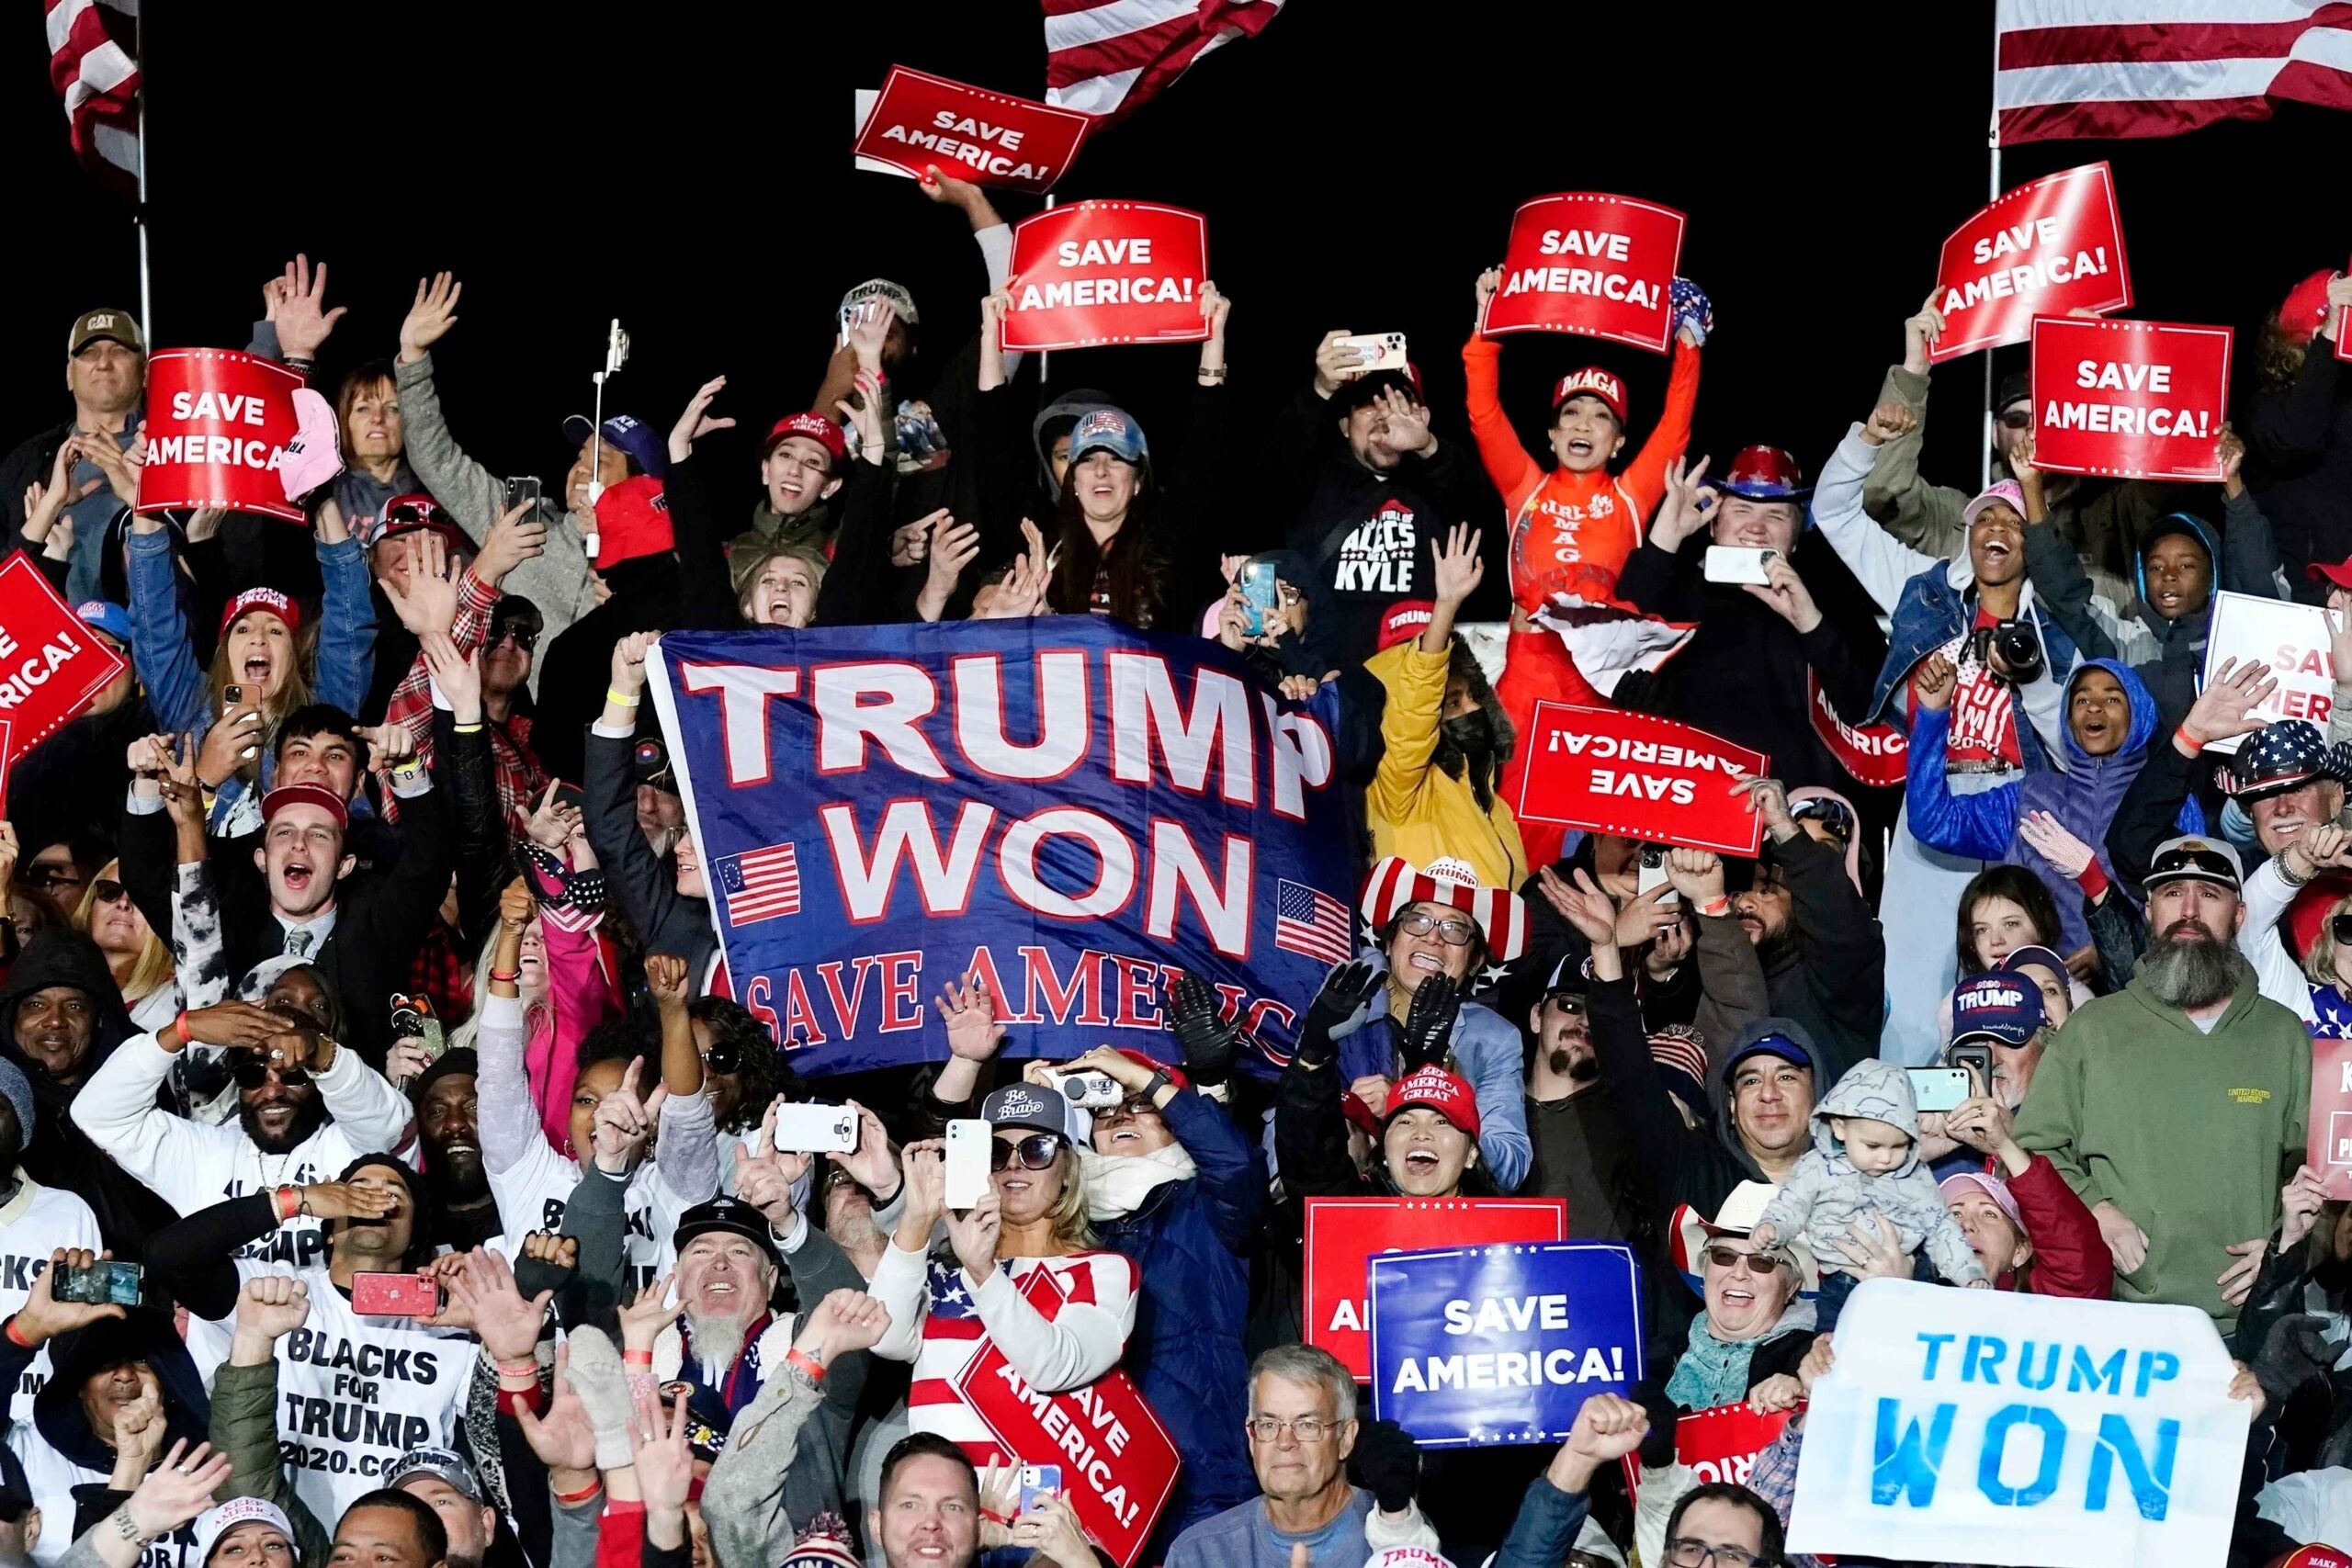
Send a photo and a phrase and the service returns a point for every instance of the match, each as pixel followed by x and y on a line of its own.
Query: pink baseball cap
pixel 2007 492
pixel 1991 1187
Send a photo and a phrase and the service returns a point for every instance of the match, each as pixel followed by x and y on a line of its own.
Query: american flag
pixel 1313 923
pixel 91 63
pixel 2111 68
pixel 760 884
pixel 1106 57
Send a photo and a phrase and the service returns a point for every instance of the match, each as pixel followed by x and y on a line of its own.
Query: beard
pixel 2190 974
pixel 308 1116
pixel 1576 1069
pixel 715 1342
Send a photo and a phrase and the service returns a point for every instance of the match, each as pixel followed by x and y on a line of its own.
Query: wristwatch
pixel 1160 1080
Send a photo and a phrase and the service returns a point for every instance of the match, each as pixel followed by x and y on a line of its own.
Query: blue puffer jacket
pixel 1187 1240
pixel 1486 1052
pixel 2083 798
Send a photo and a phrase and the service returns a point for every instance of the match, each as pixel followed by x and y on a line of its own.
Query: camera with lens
pixel 2021 650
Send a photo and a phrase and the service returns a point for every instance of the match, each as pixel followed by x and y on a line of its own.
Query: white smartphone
pixel 1938 1089
pixel 967 1161
pixel 816 1129
pixel 1740 563
pixel 1381 351
pixel 1653 873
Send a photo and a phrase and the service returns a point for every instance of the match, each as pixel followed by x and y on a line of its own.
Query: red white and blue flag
pixel 1313 922
pixel 91 60
pixel 760 884
pixel 1106 57
pixel 2081 69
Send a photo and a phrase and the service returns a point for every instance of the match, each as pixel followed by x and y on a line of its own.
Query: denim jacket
pixel 164 653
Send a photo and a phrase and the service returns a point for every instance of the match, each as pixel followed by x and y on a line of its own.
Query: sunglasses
pixel 1035 1152
pixel 48 876
pixel 1569 1002
pixel 724 1057
pixel 2018 419
pixel 252 1072
pixel 105 890
pixel 2341 926
pixel 524 638
pixel 1732 1258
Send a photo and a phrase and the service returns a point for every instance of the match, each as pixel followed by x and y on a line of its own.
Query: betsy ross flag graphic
pixel 2111 68
pixel 1107 57
pixel 760 884
pixel 1313 923
pixel 91 63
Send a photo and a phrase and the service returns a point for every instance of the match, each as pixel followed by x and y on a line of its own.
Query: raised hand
pixel 842 1322
pixel 650 1313
pixel 628 661
pixel 665 1464
pixel 1888 421
pixel 869 328
pixel 1687 508
pixel 1482 293
pixel 969 1012
pixel 624 1123
pixel 303 319
pixel 1697 874
pixel 457 674
pixel 432 315
pixel 1933 683
pixel 507 1324
pixel 1581 903
pixel 1920 331
pixel 1459 569
pixel 973 1234
pixel 1209 1039
pixel 519 534
pixel 923 1178
pixel 2049 839
pixel 2226 706
pixel 2230 452
pixel 563 1437
pixel 865 410
pixel 272 1305
pixel 1429 1023
pixel 1768 799
pixel 429 602
pixel 553 822
pixel 1334 361
pixel 694 423
pixel 1606 1429
pixel 1404 426
pixel 178 1490
pixel 1786 595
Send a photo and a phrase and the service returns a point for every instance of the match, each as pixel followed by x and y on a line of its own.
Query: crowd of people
pixel 388 1182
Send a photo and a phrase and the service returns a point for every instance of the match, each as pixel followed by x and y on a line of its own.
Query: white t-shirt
pixel 533 1192
pixel 355 1393
pixel 35 1223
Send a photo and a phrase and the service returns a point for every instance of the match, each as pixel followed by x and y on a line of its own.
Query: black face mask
pixel 1473 733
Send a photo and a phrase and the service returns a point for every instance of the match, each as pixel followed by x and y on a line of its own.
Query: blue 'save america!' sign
pixel 1071 808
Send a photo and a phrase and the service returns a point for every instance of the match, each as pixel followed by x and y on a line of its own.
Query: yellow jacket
pixel 1414 809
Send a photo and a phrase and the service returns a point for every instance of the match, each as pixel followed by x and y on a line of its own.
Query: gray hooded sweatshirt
pixel 1824 1194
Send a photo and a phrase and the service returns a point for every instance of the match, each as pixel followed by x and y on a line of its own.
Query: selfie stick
pixel 615 356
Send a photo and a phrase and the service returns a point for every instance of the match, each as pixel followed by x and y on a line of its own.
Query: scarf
pixel 1116 1185
pixel 1715 1371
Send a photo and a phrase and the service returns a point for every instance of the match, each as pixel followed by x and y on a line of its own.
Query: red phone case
pixel 394 1295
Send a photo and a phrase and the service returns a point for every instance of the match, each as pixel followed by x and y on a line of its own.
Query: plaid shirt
pixel 412 704
pixel 521 778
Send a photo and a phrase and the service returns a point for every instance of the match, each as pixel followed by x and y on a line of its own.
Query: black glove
pixel 1386 1464
pixel 1428 1025
pixel 533 1275
pixel 1207 1036
pixel 2296 1351
pixel 1345 989
pixel 1657 1443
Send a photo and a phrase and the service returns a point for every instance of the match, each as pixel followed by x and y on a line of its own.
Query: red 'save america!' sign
pixel 1342 1234
pixel 989 139
pixel 51 665
pixel 1717 1445
pixel 1118 1464
pixel 2128 400
pixel 1584 262
pixel 216 421
pixel 1097 273
pixel 2046 248
pixel 1609 771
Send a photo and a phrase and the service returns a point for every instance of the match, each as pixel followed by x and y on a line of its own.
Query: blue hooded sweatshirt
pixel 2083 798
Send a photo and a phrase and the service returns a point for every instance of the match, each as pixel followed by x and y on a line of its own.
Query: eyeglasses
pixel 1305 1428
pixel 1451 931
pixel 1684 1552
pixel 1134 1106
pixel 252 1072
pixel 1035 1152
pixel 105 890
pixel 1732 1258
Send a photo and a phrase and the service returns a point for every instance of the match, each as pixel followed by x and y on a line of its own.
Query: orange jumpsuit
pixel 1569 534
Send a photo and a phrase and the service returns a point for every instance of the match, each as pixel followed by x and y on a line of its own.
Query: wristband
pixel 1211 375
pixel 810 1368
pixel 2287 872
pixel 613 694
pixel 636 1358
pixel 994 1517
pixel 509 975
pixel 573 1499
pixel 289 1203
pixel 2092 881
pixel 15 1336
pixel 1715 907
pixel 179 1031
pixel 2186 744
pixel 468 728
pixel 527 1367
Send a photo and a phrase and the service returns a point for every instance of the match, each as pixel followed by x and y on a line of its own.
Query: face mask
pixel 1471 732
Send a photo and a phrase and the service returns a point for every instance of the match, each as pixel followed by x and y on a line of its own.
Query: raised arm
pixel 1880 562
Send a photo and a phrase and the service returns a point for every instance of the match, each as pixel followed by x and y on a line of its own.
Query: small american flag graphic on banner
pixel 1313 923
pixel 760 884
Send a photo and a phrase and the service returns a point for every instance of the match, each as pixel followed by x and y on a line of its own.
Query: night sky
pixel 688 170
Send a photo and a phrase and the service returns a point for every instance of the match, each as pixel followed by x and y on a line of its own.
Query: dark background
pixel 687 169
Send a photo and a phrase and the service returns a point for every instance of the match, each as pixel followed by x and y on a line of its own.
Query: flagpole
pixel 1044 356
pixel 1992 193
pixel 146 299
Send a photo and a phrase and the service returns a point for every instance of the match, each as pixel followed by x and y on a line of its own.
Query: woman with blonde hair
pixel 138 959
pixel 1021 1259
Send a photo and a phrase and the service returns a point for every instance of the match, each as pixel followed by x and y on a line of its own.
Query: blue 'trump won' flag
pixel 1069 809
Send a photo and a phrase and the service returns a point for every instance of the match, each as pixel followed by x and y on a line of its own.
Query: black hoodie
pixel 145 1336
pixel 60 1153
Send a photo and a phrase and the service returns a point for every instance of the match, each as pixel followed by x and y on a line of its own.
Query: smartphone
pixel 394 1295
pixel 1257 581
pixel 102 1284
pixel 1938 1089
pixel 523 492
pixel 805 1129
pixel 1381 351
pixel 1975 1054
pixel 968 1138
pixel 1653 875
pixel 1738 563
pixel 1093 1090
pixel 232 697
pixel 1038 1478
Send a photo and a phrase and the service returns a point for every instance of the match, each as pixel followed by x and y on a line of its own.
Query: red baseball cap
pixel 268 598
pixel 325 799
pixel 2337 572
pixel 632 520
pixel 1448 1094
pixel 2315 1555
pixel 2305 307
pixel 815 427
pixel 1592 381
pixel 414 513
pixel 1404 621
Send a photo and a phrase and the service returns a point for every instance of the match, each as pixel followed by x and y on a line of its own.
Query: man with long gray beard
pixel 2175 1108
